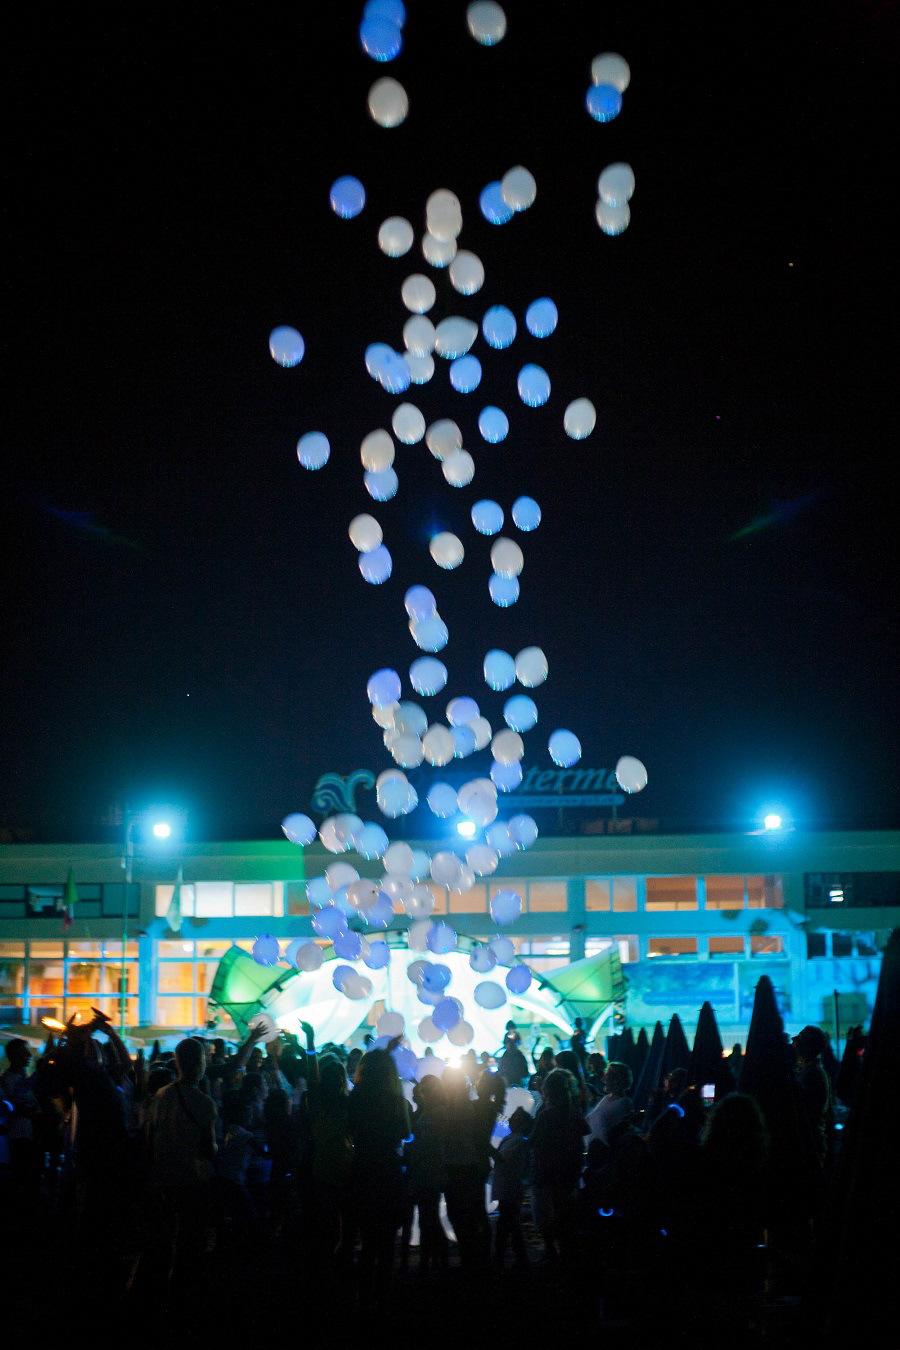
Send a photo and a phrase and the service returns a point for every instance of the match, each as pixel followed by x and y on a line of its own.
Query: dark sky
pixel 184 615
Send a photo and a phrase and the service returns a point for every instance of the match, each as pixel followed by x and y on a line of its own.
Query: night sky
pixel 184 614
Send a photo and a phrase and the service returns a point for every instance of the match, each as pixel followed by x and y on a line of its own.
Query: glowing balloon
pixel 405 749
pixel 603 102
pixel 506 906
pixel 348 946
pixel 378 956
pixel 365 533
pixel 579 419
pixel 265 1023
pixel 499 670
pixel 616 184
pixel 499 327
pixel 266 950
pixel 328 922
pixel 421 368
pixel 445 868
pixel 465 374
pixel 418 335
pixel 362 893
pixel 503 949
pixel 441 939
pixel 429 635
pixel 410 717
pixel 518 980
pixel 461 711
pixel 313 450
pixel 309 957
pixel 533 385
pixel 507 559
pixel 454 336
pixel 438 746
pixel 493 424
pixel 487 517
pixel 489 994
pixel 408 423
pixel 420 604
pixel 492 205
pixel 429 1033
pixel 393 375
pixel 499 837
pixel 299 828
pixel 611 68
pixel 531 667
pixel 380 38
pixel 442 800
pixel 340 874
pixel 506 777
pixel 318 891
pixel 462 1034
pixel 523 830
pixel 481 729
pixel 379 914
pixel 518 188
pixel 371 841
pixel 446 1014
pixel 427 676
pixel 482 860
pixel 376 566
pixel 384 717
pixel 443 437
pixel 526 513
pixel 421 903
pixel 466 272
pixel 541 317
pixel 504 591
pixel 507 746
pixel 399 859
pixel 388 102
pixel 459 468
pixel 390 1024
pixel 565 748
pixel 487 22
pixel 395 236
pixel 381 485
pixel 286 346
pixel 520 712
pixel 613 220
pixel 443 214
pixel 631 775
pixel 438 252
pixel 418 293
pixel 377 451
pixel 383 687
pixel 392 10
pixel 357 987
pixel 337 832
pixel 482 960
pixel 347 197
pixel 463 741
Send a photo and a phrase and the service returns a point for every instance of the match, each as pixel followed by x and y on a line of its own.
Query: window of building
pixel 866 944
pixel 184 979
pixel 626 943
pixel 64 978
pixel 842 944
pixel 12 902
pixel 816 945
pixel 296 900
pixel 766 944
pixel 226 899
pixel 473 901
pixel 545 897
pixel 725 892
pixel 546 954
pixel 672 946
pixel 597 893
pixel 213 899
pixel 729 946
pixel 667 893
pixel 624 895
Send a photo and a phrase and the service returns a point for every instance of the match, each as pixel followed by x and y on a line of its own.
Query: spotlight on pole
pixel 162 829
pixel 772 821
pixel 467 828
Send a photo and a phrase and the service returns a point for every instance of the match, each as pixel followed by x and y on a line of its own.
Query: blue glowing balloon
pixel 380 38
pixel 436 976
pixel 347 197
pixel 377 356
pixel 487 517
pixel 441 938
pixel 371 841
pixel 383 688
pixel 378 956
pixel 523 830
pixel 442 800
pixel 428 676
pixel 380 913
pixel 518 979
pixel 266 950
pixel 376 566
pixel 481 960
pixel 499 670
pixel 429 997
pixel 313 450
pixel 499 327
pixel 489 994
pixel 286 346
pixel 520 712
pixel 299 828
pixel 526 513
pixel 339 975
pixel 394 376
pixel 504 591
pixel 318 892
pixel 603 102
pixel 503 949
pixel 565 748
pixel 465 374
pixel 533 385
pixel 329 921
pixel 493 207
pixel 348 946
pixel 394 11
pixel 493 424
pixel 420 603
pixel 381 484
pixel 463 741
pixel 406 1062
pixel 506 777
pixel 541 317
pixel 446 1014
pixel 506 906
pixel 430 635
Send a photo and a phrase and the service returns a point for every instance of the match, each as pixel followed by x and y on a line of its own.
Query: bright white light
pixel 162 829
pixel 467 828
pixel 836 895
pixel 772 821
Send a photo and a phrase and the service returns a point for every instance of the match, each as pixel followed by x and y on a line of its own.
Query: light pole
pixel 161 829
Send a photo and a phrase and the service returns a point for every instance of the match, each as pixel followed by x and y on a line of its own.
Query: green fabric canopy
pixel 586 987
pixel 240 983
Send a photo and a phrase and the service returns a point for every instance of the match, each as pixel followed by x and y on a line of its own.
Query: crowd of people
pixel 179 1163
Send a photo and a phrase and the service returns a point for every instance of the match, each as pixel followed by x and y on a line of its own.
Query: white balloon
pixel 613 220
pixel 395 236
pixel 340 874
pixel 390 1024
pixel 462 1034
pixel 611 68
pixel 518 188
pixel 487 24
pixel 438 252
pixel 507 559
pixel 388 102
pixel 445 868
pixel 443 437
pixel 384 715
pixel 421 903
pixel 410 717
pixel 428 1032
pixel 462 711
pixel 438 745
pixel 470 790
pixel 579 419
pixel 365 533
pixel 421 368
pixel 507 746
pixel 417 935
pixel 443 214
pixel 482 730
pixel 631 775
pixel 454 336
pixel 377 451
pixel 362 893
pixel 405 748
pixel 418 293
pixel 466 272
pixel 446 550
pixel 616 184
pixel 408 423
pixel 482 859
pixel 399 858
pixel 442 800
pixel 309 957
pixel 459 470
pixel 531 667
pixel 418 335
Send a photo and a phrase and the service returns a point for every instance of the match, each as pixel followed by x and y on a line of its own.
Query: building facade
pixel 694 917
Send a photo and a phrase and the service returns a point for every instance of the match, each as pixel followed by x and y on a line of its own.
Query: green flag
pixel 173 913
pixel 70 900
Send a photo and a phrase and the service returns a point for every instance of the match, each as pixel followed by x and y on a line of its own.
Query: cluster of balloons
pixel 381 29
pixel 610 77
pixel 615 188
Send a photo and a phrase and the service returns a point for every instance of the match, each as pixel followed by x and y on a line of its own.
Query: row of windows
pixel 227 899
pixel 842 944
pixel 96 900
pixel 58 979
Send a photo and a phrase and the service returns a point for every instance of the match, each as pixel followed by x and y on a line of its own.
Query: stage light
pixel 772 821
pixel 467 828
pixel 162 829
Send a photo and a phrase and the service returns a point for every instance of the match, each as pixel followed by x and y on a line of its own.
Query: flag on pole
pixel 173 913
pixel 70 900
